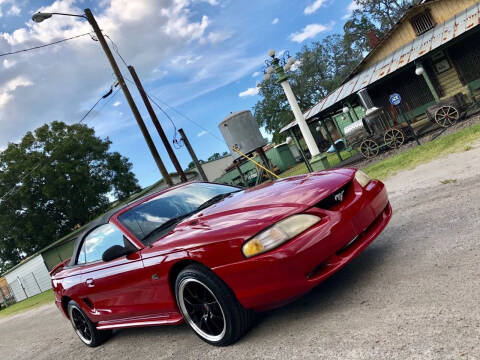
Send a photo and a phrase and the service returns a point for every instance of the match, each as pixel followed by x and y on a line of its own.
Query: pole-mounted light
pixel 41 16
pixel 419 70
pixel 280 67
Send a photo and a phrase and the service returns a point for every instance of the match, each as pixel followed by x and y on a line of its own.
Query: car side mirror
pixel 115 252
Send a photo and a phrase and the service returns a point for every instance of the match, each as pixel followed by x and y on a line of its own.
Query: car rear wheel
pixel 84 328
pixel 209 306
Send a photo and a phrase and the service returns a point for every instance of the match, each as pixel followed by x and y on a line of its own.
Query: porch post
pixel 420 70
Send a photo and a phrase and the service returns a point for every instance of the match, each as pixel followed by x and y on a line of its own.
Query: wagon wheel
pixel 446 116
pixel 394 138
pixel 369 148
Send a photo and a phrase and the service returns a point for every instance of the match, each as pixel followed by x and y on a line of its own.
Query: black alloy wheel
pixel 209 306
pixel 84 328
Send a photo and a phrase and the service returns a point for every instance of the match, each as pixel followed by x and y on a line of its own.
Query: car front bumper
pixel 272 279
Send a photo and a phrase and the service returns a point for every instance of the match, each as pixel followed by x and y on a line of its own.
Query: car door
pixel 117 289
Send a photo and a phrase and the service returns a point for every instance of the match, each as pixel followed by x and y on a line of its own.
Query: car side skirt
pixel 171 319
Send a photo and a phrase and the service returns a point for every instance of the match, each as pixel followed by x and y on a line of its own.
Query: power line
pixel 175 141
pixel 14 188
pixel 115 48
pixel 45 45
pixel 190 120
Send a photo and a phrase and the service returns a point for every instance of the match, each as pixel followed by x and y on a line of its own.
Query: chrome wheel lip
pixel 78 331
pixel 188 318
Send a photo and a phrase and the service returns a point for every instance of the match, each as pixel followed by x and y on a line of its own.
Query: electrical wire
pixel 14 188
pixel 45 45
pixel 115 48
pixel 176 142
pixel 189 119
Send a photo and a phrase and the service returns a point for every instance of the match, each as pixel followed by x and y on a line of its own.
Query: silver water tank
pixel 240 130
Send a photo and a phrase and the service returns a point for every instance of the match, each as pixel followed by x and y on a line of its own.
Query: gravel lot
pixel 413 294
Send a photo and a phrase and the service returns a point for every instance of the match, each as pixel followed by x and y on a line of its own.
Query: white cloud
pixel 275 21
pixel 249 92
pixel 7 90
pixel 212 2
pixel 215 38
pixel 309 31
pixel 159 73
pixel 256 73
pixel 14 10
pixel 350 9
pixel 186 59
pixel 313 7
pixel 7 64
pixel 117 103
pixel 201 133
pixel 69 77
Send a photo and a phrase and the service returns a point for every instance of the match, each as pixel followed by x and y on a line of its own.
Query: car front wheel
pixel 209 306
pixel 84 328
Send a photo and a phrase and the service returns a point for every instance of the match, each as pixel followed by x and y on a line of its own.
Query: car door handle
pixel 90 282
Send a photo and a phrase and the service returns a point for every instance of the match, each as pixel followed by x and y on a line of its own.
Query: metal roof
pixel 423 44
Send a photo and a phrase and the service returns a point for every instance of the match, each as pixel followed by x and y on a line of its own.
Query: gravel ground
pixel 413 294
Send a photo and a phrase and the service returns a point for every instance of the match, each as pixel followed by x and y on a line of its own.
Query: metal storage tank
pixel 241 130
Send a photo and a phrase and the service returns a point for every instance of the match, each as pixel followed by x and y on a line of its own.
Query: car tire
pixel 210 307
pixel 84 327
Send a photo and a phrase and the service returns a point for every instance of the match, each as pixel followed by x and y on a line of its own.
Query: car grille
pixel 334 199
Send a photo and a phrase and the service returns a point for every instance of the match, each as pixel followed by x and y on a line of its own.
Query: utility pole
pixel 155 121
pixel 193 155
pixel 128 96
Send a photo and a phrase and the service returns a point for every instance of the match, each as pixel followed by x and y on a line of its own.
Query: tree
pixel 215 156
pixel 373 15
pixel 325 65
pixel 62 176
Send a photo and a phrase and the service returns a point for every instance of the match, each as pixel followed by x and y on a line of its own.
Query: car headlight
pixel 362 178
pixel 278 234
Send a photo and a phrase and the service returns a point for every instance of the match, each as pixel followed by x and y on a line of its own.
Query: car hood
pixel 299 192
pixel 245 213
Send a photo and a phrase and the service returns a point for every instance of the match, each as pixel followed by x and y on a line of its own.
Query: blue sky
pixel 202 57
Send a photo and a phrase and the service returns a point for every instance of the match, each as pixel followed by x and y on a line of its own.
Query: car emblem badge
pixel 339 197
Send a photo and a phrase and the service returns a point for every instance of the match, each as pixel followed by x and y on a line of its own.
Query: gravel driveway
pixel 413 294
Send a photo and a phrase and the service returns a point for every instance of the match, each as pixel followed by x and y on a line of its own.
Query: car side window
pixel 99 240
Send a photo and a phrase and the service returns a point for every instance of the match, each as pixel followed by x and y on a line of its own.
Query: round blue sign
pixel 395 99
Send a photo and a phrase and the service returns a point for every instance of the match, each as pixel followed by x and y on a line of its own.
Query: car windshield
pixel 167 209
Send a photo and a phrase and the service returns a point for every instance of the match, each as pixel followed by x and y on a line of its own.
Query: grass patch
pixel 448 144
pixel 30 303
pixel 448 181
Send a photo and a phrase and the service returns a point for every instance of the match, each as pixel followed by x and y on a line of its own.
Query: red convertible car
pixel 212 255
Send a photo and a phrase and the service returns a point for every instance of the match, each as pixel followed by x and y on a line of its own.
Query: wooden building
pixel 432 53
